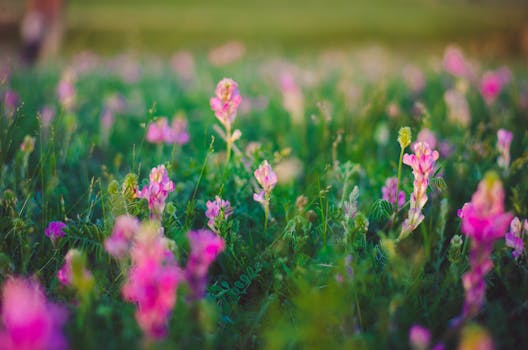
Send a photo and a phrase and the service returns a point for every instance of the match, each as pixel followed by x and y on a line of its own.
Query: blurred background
pixel 489 28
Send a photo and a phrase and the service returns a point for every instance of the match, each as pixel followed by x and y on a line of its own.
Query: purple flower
pixel 504 139
pixel 389 192
pixel 514 238
pixel 218 209
pixel 157 191
pixel 55 230
pixel 10 102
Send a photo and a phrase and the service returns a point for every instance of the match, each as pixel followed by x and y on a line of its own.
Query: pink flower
pixel 292 97
pixel 492 83
pixel 218 209
pixel 183 65
pixel 29 320
pixel 120 242
pixel 180 133
pixel 225 103
pixel 419 337
pixel 514 238
pixel 455 63
pixel 160 131
pixel 484 221
pixel 427 136
pixel 260 197
pixel 10 102
pixel 389 192
pixel 205 247
pixel 66 273
pixel 504 139
pixel 152 281
pixel 157 191
pixel 414 78
pixel 457 107
pixel 422 162
pixel 66 90
pixel 47 113
pixel 265 176
pixel 55 230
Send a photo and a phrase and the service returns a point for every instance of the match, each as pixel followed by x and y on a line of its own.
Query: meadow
pixel 346 199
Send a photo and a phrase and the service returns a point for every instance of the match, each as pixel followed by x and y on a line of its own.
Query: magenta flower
pixel 152 281
pixel 157 191
pixel 120 242
pixel 29 320
pixel 504 139
pixel 422 162
pixel 484 221
pixel 66 273
pixel 419 337
pixel 389 192
pixel 492 83
pixel 455 63
pixel 55 230
pixel 225 103
pixel 205 247
pixel 514 238
pixel 217 211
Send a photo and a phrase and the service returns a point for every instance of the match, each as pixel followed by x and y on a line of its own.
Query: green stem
pixel 266 210
pixel 228 141
pixel 399 176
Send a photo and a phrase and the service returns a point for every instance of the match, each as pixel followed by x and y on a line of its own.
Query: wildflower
pixel 504 139
pixel 422 162
pixel 217 211
pixel 225 105
pixel 414 78
pixel 404 137
pixel 492 83
pixel 205 247
pixel 152 281
pixel 47 113
pixel 227 53
pixel 55 230
pixel 419 337
pixel 29 320
pixel 483 221
pixel 267 180
pixel 28 145
pixel 10 102
pixel 514 238
pixel 160 131
pixel 157 191
pixel 66 90
pixel 427 136
pixel 390 194
pixel 292 97
pixel 457 107
pixel 74 273
pixel 455 62
pixel 120 242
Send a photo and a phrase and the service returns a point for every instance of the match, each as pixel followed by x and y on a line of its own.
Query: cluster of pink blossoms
pixel 266 179
pixel 483 221
pixel 119 243
pixel 218 209
pixel 205 247
pixel 455 63
pixel 493 82
pixel 389 192
pixel 225 103
pixel 160 131
pixel 152 281
pixel 66 90
pixel 157 191
pixel 515 237
pixel 422 162
pixel 504 140
pixel 66 273
pixel 29 321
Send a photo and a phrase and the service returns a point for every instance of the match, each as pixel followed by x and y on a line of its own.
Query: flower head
pixel 514 238
pixel 419 337
pixel 160 131
pixel 225 103
pixel 120 242
pixel 74 273
pixel 504 139
pixel 55 230
pixel 157 191
pixel 389 192
pixel 265 176
pixel 457 107
pixel 404 137
pixel 29 320
pixel 455 62
pixel 218 209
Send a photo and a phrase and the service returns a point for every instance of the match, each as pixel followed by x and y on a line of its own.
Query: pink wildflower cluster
pixel 205 247
pixel 484 221
pixel 455 63
pixel 515 237
pixel 66 273
pixel 152 281
pixel 492 83
pixel 389 192
pixel 119 243
pixel 504 140
pixel 55 230
pixel 422 162
pixel 159 131
pixel 217 211
pixel 226 101
pixel 266 179
pixel 66 90
pixel 29 321
pixel 419 337
pixel 156 191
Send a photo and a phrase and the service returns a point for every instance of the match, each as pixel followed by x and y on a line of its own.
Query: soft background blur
pixel 491 29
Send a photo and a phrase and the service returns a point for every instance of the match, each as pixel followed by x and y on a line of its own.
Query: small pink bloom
pixel 157 191
pixel 260 197
pixel 55 230
pixel 427 136
pixel 217 209
pixel 504 139
pixel 514 238
pixel 491 85
pixel 205 247
pixel 265 176
pixel 225 103
pixel 455 63
pixel 120 242
pixel 10 102
pixel 419 337
pixel 47 113
pixel 65 274
pixel 389 192
pixel 66 90
pixel 457 107
pixel 158 131
pixel 180 133
pixel 29 320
